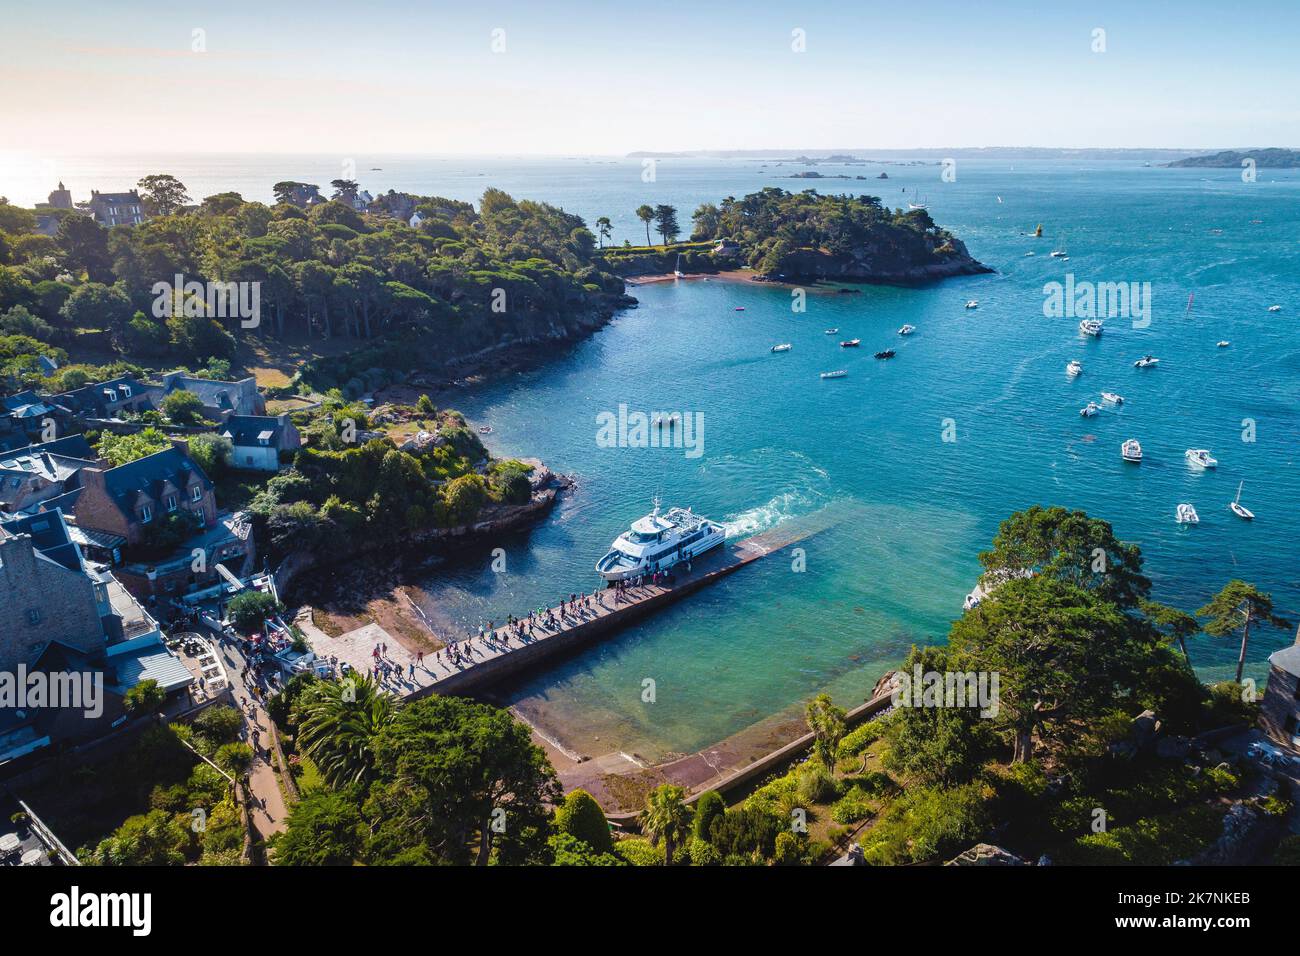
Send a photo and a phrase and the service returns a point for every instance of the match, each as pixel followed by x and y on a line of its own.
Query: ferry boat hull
pixel 658 542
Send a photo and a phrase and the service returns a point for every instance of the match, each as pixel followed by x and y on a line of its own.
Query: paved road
pixel 267 808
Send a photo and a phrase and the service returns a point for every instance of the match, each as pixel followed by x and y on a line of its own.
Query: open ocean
pixel 913 510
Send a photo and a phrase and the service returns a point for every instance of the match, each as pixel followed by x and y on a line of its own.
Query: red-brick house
pixel 126 500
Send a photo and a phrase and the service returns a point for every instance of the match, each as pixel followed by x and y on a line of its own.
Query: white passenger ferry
pixel 659 541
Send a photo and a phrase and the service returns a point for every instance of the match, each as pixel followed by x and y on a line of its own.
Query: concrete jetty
pixel 501 654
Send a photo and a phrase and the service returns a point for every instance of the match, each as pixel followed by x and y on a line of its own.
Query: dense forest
pixel 458 282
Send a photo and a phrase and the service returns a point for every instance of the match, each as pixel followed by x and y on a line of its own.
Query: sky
pixel 611 76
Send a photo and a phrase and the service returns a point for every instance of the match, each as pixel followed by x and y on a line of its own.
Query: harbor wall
pixel 495 670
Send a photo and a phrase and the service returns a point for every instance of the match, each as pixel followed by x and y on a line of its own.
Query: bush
pixel 217 726
pixel 639 852
pixel 708 808
pixel 1288 851
pixel 1155 841
pixel 1224 780
pixel 568 850
pixel 746 831
pixel 862 737
pixel 929 823
pixel 788 851
pixel 580 816
pixel 852 807
pixel 815 783
pixel 703 853
pixel 183 408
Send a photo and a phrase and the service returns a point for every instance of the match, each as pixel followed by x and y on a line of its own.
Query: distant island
pixel 1272 158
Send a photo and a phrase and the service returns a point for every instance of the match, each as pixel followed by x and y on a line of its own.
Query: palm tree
pixel 826 721
pixel 1172 622
pixel 646 214
pixel 604 229
pixel 1239 605
pixel 666 818
pixel 338 726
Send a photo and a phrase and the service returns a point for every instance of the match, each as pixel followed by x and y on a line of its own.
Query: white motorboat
pixel 1223 343
pixel 1075 367
pixel 1090 326
pixel 1275 308
pixel 1131 450
pixel 907 330
pixel 838 373
pixel 1147 361
pixel 783 347
pixel 1092 408
pixel 851 343
pixel 973 304
pixel 1186 514
pixel 1240 510
pixel 1201 458
pixel 659 541
pixel 1112 398
pixel 832 331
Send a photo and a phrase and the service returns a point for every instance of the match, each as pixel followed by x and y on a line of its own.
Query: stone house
pixel 124 501
pixel 258 441
pixel 219 398
pixel 117 209
pixel 1279 711
pixel 108 399
pixel 38 473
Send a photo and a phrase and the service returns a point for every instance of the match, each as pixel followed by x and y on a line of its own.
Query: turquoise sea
pixel 912 510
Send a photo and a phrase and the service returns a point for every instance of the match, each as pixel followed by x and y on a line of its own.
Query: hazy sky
pixel 610 77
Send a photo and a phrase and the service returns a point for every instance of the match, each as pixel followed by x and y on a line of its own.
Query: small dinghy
pixel 851 344
pixel 886 354
pixel 838 373
pixel 1275 308
pixel 973 304
pixel 1240 510
pixel 1147 361
pixel 1223 344
pixel 832 331
pixel 907 330
pixel 783 347
pixel 1186 514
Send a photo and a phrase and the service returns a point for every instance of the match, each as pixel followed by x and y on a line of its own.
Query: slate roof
pixel 1287 659
pixel 91 398
pixel 248 429
pixel 50 537
pixel 148 475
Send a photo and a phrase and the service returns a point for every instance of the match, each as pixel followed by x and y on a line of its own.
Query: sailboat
pixel 1060 253
pixel 918 205
pixel 678 270
pixel 1240 510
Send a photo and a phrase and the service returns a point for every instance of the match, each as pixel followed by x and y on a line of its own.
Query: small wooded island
pixel 806 237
